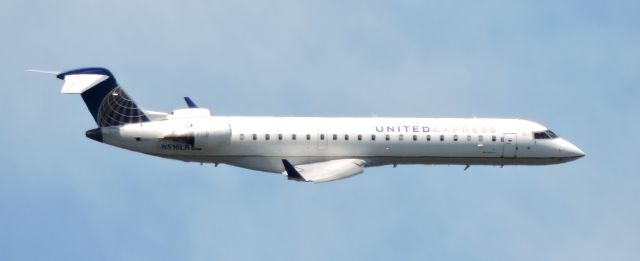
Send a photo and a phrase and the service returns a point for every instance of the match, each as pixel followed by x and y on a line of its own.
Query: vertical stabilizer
pixel 106 100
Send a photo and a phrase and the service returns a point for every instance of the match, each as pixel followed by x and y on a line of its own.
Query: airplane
pixel 308 149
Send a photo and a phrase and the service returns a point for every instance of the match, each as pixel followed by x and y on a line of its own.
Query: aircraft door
pixel 322 139
pixel 510 145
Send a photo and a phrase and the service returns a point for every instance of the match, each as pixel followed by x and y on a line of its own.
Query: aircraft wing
pixel 324 171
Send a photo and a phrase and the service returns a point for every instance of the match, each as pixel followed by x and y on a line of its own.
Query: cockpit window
pixel 551 134
pixel 544 135
pixel 540 135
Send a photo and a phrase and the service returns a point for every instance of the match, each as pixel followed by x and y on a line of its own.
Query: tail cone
pixel 94 134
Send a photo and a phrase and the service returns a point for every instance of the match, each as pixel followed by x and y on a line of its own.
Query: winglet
pixel 292 173
pixel 190 103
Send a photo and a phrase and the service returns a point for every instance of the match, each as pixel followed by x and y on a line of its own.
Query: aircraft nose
pixel 571 151
pixel 575 151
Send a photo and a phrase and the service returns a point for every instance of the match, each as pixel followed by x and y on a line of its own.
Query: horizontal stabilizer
pixel 79 83
pixel 43 71
pixel 324 171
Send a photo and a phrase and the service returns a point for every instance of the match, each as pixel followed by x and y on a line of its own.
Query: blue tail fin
pixel 108 103
pixel 190 103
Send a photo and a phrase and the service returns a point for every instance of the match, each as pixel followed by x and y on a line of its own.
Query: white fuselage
pixel 261 143
pixel 305 148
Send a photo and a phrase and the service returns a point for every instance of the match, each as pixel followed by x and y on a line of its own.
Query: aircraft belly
pixel 274 163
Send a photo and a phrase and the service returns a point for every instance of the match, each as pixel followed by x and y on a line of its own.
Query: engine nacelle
pixel 203 135
pixel 211 135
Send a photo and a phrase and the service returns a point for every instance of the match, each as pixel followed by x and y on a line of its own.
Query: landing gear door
pixel 510 145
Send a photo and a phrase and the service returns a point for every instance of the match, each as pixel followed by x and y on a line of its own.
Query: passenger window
pixel 373 137
pixel 480 138
pixel 493 138
pixel 428 137
pixel 279 136
pixel 266 137
pixel 346 137
pixel 400 137
pixel 241 136
pixel 359 137
pixel 255 136
pixel 321 136
pixel 441 137
pixel 386 137
pixel 468 137
pixel 335 136
pixel 415 137
pixel 308 136
pixel 293 137
pixel 455 137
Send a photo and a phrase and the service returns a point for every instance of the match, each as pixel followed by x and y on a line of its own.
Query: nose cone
pixel 574 151
pixel 94 134
pixel 569 150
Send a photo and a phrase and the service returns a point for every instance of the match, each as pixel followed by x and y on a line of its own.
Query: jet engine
pixel 204 135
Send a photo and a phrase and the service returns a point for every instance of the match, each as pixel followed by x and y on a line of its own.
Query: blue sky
pixel 570 65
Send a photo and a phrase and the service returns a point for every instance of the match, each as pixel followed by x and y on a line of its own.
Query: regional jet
pixel 308 149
